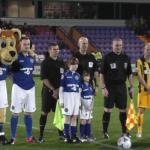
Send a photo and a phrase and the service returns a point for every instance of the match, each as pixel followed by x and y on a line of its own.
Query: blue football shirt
pixel 23 77
pixel 70 81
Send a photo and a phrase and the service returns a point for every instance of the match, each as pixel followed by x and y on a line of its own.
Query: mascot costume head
pixel 9 44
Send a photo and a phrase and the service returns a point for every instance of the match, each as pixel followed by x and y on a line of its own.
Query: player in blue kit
pixel 23 91
pixel 3 101
pixel 69 96
pixel 87 96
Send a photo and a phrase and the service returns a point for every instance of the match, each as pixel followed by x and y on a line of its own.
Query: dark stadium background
pixel 64 22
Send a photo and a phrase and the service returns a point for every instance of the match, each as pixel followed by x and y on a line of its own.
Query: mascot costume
pixel 9 44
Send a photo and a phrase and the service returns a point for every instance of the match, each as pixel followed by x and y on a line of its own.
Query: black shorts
pixel 117 97
pixel 48 102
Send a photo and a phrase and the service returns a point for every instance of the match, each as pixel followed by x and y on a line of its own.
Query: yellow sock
pixel 140 117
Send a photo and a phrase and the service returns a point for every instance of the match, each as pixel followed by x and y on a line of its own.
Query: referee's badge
pixel 62 76
pixel 125 65
pixel 90 64
pixel 113 66
pixel 61 70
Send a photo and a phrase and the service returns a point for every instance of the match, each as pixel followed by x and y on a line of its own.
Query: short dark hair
pixel 24 37
pixel 73 61
pixel 86 73
pixel 52 44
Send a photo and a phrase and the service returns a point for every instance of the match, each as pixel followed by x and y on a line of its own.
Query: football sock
pixel 13 125
pixel 82 130
pixel 1 127
pixel 73 131
pixel 88 130
pixel 43 120
pixel 140 117
pixel 28 125
pixel 106 119
pixel 123 117
pixel 66 129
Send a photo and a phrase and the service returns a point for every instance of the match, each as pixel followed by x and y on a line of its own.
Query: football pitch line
pixel 33 127
pixel 99 143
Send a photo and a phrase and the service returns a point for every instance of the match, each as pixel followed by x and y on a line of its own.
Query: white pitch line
pixel 35 128
pixel 108 145
pixel 22 125
pixel 95 142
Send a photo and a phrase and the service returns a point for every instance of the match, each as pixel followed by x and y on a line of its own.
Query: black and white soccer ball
pixel 124 142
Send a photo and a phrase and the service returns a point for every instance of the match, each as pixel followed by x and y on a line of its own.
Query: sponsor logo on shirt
pixel 27 70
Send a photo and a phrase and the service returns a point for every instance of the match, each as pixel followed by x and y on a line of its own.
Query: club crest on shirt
pixel 66 109
pixel 125 65
pixel 76 77
pixel 31 60
pixel 13 107
pixel 113 66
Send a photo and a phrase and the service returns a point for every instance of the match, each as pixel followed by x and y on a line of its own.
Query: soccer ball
pixel 124 142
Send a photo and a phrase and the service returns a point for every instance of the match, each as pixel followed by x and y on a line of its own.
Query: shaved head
pixel 117 45
pixel 83 43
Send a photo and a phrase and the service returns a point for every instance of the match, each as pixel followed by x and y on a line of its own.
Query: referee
pixel 115 69
pixel 87 62
pixel 51 70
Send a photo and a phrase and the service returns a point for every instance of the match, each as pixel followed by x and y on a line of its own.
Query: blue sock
pixel 28 124
pixel 88 129
pixel 13 124
pixel 73 131
pixel 66 129
pixel 82 130
pixel 1 127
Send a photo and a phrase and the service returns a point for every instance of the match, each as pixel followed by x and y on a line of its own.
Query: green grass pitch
pixel 52 141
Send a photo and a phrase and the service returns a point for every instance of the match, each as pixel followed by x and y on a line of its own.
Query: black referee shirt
pixel 116 68
pixel 52 69
pixel 87 62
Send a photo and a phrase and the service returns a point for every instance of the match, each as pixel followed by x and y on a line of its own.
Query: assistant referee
pixel 116 68
pixel 51 70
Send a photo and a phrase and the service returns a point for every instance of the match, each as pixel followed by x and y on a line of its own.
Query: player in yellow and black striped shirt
pixel 143 70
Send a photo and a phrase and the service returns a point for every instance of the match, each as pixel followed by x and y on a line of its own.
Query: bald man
pixel 87 61
pixel 116 68
pixel 143 71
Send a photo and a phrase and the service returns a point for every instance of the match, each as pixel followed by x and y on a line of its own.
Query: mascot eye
pixel 11 44
pixel 3 44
